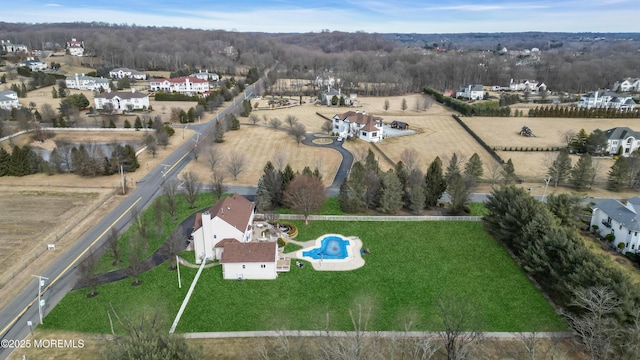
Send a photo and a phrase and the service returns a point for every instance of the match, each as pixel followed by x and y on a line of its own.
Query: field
pixel 410 265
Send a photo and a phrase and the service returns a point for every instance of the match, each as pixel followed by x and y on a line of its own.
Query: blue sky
pixel 402 16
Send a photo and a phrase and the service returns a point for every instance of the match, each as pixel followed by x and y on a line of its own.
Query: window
pixel 263 266
pixel 620 226
pixel 214 236
pixel 364 133
pixel 243 266
pixel 633 246
pixel 374 134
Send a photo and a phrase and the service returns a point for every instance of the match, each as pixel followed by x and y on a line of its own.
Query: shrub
pixel 282 242
pixel 630 255
pixel 595 228
pixel 610 237
pixel 621 245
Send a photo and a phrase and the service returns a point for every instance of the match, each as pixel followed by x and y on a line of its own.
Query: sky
pixel 373 16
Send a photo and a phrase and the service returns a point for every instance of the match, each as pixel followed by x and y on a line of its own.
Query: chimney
pixel 133 90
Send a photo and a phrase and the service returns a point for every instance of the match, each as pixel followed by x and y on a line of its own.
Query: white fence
pixel 375 218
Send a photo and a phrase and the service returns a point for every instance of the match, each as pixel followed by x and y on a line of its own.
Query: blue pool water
pixel 332 248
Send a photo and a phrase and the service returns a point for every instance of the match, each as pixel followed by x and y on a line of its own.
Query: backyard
pixel 410 266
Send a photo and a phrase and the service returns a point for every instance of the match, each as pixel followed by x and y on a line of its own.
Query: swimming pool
pixel 332 247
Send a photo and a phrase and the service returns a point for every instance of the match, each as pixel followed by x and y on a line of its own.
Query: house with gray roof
pixel 622 137
pixel 622 220
pixel 121 73
pixel 9 100
pixel 82 82
pixel 122 100
pixel 34 65
pixel 471 92
pixel 607 99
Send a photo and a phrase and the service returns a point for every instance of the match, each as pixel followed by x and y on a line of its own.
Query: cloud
pixel 54 5
pixel 474 7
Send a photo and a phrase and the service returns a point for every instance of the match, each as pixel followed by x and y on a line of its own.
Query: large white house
pixel 358 124
pixel 187 85
pixel 75 47
pixel 250 260
pixel 527 85
pixel 9 100
pixel 205 75
pixel 621 220
pixel 83 82
pixel 34 65
pixel 229 218
pixel 627 85
pixel 622 137
pixel 121 73
pixel 122 100
pixel 606 100
pixel 471 92
pixel 9 47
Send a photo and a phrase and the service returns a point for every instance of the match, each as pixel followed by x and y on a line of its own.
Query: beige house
pixel 122 100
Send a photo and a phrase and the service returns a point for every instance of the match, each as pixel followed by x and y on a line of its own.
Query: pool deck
pixel 354 262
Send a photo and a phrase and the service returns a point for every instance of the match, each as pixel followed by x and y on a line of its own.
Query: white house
pixel 527 85
pixel 205 75
pixel 34 65
pixel 325 80
pixel 621 220
pixel 250 260
pixel 471 92
pixel 627 85
pixel 121 73
pixel 9 47
pixel 623 137
pixel 9 100
pixel 358 124
pixel 75 47
pixel 606 99
pixel 82 82
pixel 122 100
pixel 229 218
pixel 187 85
pixel 327 96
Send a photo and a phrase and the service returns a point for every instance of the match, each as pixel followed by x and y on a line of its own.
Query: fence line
pixel 375 218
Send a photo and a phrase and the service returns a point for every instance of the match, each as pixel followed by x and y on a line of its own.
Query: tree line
pixel 544 240
pixel 578 112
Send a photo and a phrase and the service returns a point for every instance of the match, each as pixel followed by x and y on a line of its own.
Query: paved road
pixel 345 165
pixel 61 275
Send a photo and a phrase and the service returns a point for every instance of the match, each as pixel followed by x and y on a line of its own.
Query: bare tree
pixel 427 102
pixel 213 156
pixel 458 323
pixel 567 137
pixel 305 194
pixel 217 184
pixel 596 169
pixel 170 191
pixel 327 126
pixel 113 247
pixel 192 186
pixel 254 119
pixel 275 123
pixel 536 347
pixel 136 253
pixel 279 160
pixel 386 105
pixel 404 105
pixel 411 159
pixel 297 131
pixel 355 345
pixel 236 163
pixel 291 120
pixel 47 113
pixel 596 327
pixel 88 273
pixel 175 243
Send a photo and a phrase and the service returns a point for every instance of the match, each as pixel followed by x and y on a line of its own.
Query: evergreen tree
pixel 219 132
pixel 473 170
pixel 596 142
pixel 579 142
pixel 619 174
pixel 371 163
pixel 127 124
pixel 138 123
pixel 582 172
pixel 509 173
pixel 234 122
pixel 390 199
pixel 560 168
pixel 5 159
pixel 452 168
pixel 434 183
pixel 414 192
pixel 263 198
pixel 401 172
pixel 458 191
pixel 112 124
pixel 352 190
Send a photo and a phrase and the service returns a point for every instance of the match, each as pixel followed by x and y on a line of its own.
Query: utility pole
pixel 124 191
pixel 546 185
pixel 41 280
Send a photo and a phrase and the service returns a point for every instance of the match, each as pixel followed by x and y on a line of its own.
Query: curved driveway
pixel 345 165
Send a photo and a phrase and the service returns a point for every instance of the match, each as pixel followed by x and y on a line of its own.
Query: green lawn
pixel 410 265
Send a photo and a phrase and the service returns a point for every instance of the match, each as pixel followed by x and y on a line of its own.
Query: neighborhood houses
pixel 121 73
pixel 9 100
pixel 607 100
pixel 122 100
pixel 83 82
pixel 627 85
pixel 75 47
pixel 358 124
pixel 471 92
pixel 622 140
pixel 611 217
pixel 34 65
pixel 187 85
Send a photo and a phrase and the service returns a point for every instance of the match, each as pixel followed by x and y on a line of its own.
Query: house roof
pixel 358 117
pixel 399 123
pixel 88 78
pixel 8 95
pixel 629 218
pixel 181 79
pixel 122 95
pixel 222 243
pixel 621 133
pixel 235 210
pixel 237 252
pixel 126 70
pixel 370 126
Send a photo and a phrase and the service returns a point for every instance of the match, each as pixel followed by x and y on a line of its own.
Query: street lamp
pixel 41 280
